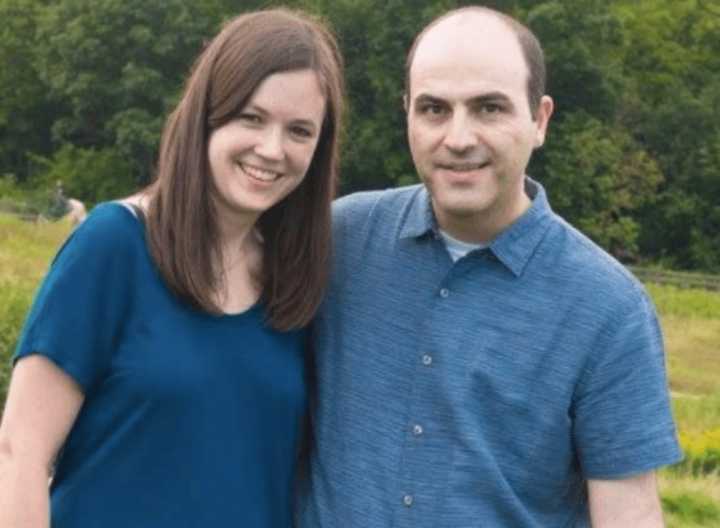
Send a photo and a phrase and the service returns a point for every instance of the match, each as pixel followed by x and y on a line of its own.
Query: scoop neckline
pixel 232 315
pixel 254 307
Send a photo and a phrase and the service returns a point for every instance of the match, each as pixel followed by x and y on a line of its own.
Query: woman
pixel 161 368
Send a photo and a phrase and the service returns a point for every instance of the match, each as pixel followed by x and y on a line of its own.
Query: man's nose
pixel 270 144
pixel 460 135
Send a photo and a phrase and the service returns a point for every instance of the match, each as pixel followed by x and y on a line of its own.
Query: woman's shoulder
pixel 109 230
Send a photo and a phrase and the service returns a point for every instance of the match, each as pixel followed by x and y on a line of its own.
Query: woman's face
pixel 263 154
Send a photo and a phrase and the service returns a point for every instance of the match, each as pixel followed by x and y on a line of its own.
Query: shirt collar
pixel 513 247
pixel 420 219
pixel 516 245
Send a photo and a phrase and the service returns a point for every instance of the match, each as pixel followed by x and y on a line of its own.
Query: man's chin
pixel 465 208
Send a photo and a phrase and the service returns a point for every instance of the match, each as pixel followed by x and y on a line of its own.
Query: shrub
pixel 702 452
pixel 692 508
pixel 89 175
pixel 14 303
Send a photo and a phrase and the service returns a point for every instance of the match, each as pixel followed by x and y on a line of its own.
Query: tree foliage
pixel 26 115
pixel 607 176
pixel 116 67
pixel 633 152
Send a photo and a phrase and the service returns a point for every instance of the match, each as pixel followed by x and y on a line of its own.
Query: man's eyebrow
pixel 491 97
pixel 427 98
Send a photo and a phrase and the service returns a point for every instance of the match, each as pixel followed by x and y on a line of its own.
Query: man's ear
pixel 542 118
pixel 406 103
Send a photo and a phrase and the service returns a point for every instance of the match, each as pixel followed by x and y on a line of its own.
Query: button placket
pixel 419 435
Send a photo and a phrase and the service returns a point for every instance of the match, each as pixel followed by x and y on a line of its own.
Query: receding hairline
pixel 507 21
pixel 530 47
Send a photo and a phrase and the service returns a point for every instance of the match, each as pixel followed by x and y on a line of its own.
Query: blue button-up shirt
pixel 483 392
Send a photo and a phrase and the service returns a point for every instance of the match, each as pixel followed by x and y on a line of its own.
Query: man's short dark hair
pixel 529 43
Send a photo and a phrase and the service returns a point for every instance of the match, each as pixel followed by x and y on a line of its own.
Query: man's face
pixel 470 128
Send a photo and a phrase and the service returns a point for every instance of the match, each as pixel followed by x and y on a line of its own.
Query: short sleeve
pixel 77 315
pixel 623 422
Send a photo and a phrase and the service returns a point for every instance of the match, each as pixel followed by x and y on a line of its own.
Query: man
pixel 480 362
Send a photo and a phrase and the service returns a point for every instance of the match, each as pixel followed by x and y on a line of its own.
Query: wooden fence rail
pixel 680 279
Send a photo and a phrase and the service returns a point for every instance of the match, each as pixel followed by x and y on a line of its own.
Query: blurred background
pixel 632 157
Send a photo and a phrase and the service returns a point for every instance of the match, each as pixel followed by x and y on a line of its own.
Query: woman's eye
pixel 249 118
pixel 301 132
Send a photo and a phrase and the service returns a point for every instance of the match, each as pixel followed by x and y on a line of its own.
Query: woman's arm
pixel 41 407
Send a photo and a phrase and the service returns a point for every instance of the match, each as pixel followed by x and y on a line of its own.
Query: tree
pixel 117 67
pixel 91 175
pixel 632 154
pixel 25 113
pixel 602 178
pixel 580 40
pixel 673 61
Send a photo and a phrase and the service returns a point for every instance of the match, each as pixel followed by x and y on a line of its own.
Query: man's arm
pixel 631 502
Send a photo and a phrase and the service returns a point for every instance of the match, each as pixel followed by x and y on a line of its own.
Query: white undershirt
pixel 457 248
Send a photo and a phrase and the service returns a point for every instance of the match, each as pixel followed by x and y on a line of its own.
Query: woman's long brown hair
pixel 182 225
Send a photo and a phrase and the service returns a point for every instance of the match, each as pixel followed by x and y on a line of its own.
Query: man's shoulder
pixel 361 206
pixel 588 266
pixel 366 201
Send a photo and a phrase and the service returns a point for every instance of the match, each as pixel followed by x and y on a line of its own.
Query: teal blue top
pixel 189 419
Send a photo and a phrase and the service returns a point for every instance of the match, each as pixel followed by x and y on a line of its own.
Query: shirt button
pixel 427 360
pixel 444 293
pixel 417 430
pixel 408 500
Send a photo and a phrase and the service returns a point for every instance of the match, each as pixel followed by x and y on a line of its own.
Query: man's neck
pixel 483 228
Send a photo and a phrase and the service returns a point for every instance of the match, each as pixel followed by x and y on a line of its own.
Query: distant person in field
pixel 77 212
pixel 71 209
pixel 160 377
pixel 59 205
pixel 480 362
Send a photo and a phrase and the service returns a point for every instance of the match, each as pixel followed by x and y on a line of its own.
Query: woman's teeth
pixel 259 174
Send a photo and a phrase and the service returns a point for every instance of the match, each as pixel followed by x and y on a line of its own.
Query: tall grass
pixel 26 250
pixel 690 501
pixel 685 303
pixel 696 414
pixel 691 324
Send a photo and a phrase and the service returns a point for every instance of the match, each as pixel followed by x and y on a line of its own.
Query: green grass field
pixel 691 324
pixel 25 253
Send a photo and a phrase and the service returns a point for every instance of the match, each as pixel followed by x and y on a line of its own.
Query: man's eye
pixel 491 108
pixel 432 109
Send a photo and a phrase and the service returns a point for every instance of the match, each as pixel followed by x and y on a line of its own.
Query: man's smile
pixel 463 167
